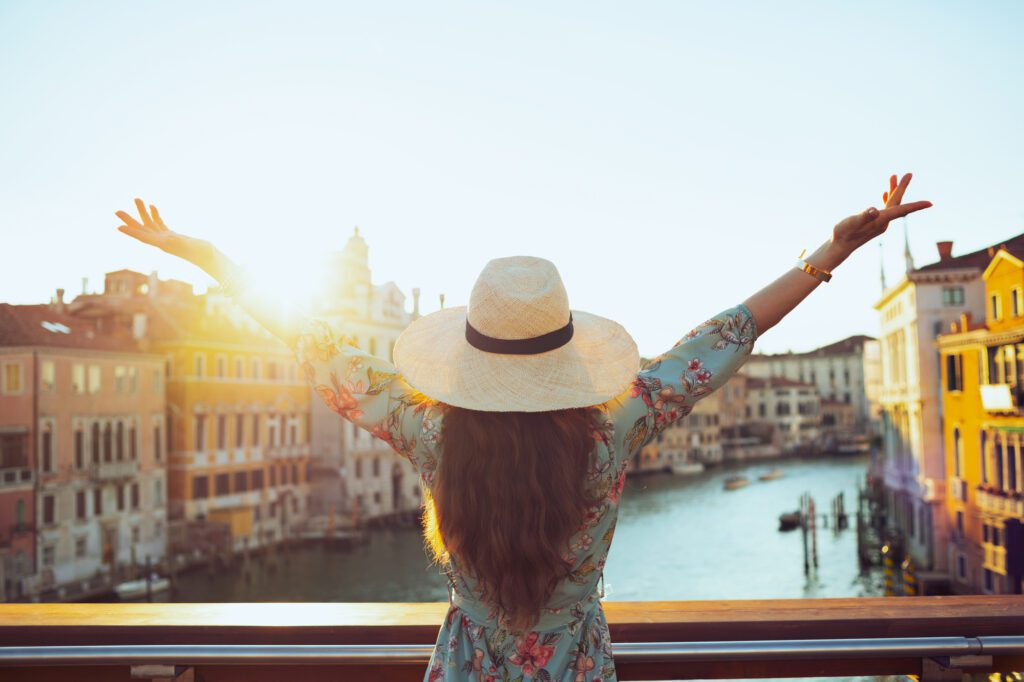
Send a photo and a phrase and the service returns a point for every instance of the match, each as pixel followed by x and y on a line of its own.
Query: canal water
pixel 678 538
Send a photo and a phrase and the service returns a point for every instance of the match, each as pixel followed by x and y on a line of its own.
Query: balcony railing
pixel 114 471
pixel 11 477
pixel 927 636
pixel 999 502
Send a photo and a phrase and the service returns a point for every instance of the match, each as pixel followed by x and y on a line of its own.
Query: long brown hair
pixel 510 491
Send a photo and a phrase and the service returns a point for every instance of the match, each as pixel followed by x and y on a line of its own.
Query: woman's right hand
pixel 152 230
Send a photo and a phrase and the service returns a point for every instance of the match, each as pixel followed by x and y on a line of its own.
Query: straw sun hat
pixel 517 347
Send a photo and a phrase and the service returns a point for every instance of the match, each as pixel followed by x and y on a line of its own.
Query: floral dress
pixel 570 642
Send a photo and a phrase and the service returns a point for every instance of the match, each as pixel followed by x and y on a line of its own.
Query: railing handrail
pixel 674 652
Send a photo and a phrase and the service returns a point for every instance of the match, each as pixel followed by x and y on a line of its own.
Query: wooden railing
pixel 257 642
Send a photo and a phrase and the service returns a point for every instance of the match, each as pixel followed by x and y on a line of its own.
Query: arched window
pixel 119 441
pixel 376 466
pixel 108 442
pixel 984 457
pixel 95 438
pixel 957 453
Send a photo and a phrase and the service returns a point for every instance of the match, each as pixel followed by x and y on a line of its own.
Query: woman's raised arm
pixel 769 305
pixel 150 229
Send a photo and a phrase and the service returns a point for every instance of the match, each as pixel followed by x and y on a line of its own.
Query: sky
pixel 670 157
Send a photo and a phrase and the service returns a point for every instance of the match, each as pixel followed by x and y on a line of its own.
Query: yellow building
pixel 983 398
pixel 237 407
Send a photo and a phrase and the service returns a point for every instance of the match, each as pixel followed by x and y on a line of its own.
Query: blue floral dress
pixel 570 642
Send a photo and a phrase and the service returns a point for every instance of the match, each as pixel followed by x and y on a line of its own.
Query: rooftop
pixel 51 326
pixel 977 259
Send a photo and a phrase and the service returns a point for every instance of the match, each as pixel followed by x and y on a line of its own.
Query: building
pixel 845 371
pixel 688 444
pixel 913 312
pixel 983 400
pixel 84 492
pixel 791 407
pixel 356 475
pixel 237 409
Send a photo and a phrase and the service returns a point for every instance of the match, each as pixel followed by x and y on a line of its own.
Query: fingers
pixel 137 231
pixel 894 212
pixel 156 218
pixel 129 220
pixel 143 213
pixel 897 194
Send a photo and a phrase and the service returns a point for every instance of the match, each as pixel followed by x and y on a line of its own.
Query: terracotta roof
pixel 980 258
pixel 44 325
pixel 776 382
pixel 848 346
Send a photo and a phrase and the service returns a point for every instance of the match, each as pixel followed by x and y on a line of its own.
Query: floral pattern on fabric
pixel 570 642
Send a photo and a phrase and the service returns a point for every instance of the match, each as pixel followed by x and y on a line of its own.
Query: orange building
pixel 983 399
pixel 237 408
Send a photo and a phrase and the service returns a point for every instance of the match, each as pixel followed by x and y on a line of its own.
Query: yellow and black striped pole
pixel 887 570
pixel 909 577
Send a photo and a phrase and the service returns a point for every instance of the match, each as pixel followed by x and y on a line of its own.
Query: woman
pixel 519 417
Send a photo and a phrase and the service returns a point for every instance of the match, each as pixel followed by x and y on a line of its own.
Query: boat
pixel 790 521
pixel 136 589
pixel 734 482
pixel 687 468
pixel 770 475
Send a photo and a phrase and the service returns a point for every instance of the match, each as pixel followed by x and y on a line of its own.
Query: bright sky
pixel 670 157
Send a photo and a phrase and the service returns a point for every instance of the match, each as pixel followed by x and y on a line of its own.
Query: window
pixel 239 368
pixel 222 431
pixel 961 567
pixel 222 366
pixel 157 449
pixel 79 448
pixel 119 441
pixel 120 497
pixel 95 439
pixel 133 379
pixel 273 477
pixel 960 523
pixel 158 492
pixel 989 582
pixel 136 535
pixel 135 496
pixel 78 379
pixel 200 365
pixel 761 410
pixel 12 378
pixel 1015 294
pixel 957 453
pixel 255 368
pixel 80 505
pixel 94 379
pixel 200 487
pixel 239 430
pixel 295 474
pixel 133 448
pixel 376 466
pixel 257 479
pixel 97 501
pixel 241 481
pixel 222 484
pixel 80 546
pixel 255 430
pixel 47 376
pixel 984 532
pixel 46 448
pixel 995 307
pixel 954 372
pixel 119 379
pixel 49 552
pixel 200 433
pixel 158 381
pixel 984 457
pixel 49 510
pixel 953 296
pixel 284 475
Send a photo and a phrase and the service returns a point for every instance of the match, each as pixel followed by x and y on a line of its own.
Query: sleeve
pixel 369 392
pixel 671 384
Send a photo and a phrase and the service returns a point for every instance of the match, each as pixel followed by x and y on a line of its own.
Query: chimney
pixel 58 303
pixel 945 250
pixel 442 301
pixel 416 302
pixel 85 285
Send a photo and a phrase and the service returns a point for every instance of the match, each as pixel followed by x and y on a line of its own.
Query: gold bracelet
pixel 818 273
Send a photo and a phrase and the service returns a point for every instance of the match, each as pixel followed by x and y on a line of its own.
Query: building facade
pixel 983 397
pixel 922 305
pixel 791 407
pixel 83 427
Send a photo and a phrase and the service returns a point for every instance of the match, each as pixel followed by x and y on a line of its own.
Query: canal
pixel 678 538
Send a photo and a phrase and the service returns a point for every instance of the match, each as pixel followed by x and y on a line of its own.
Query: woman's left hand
pixel 853 232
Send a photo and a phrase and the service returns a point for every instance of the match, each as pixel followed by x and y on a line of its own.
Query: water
pixel 678 538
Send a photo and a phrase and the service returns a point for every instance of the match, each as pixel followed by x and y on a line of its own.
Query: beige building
pixel 846 371
pixel 356 475
pixel 791 407
pixel 913 312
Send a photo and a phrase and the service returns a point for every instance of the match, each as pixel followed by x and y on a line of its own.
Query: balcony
pixel 999 502
pixel 999 398
pixel 933 637
pixel 114 471
pixel 958 489
pixel 995 558
pixel 15 477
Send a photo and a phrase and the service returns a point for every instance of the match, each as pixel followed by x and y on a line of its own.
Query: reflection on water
pixel 677 538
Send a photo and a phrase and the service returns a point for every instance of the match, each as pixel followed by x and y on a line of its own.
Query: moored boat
pixel 687 468
pixel 789 521
pixel 770 475
pixel 737 481
pixel 136 589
